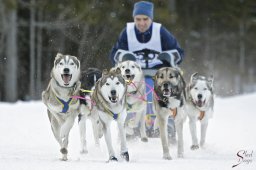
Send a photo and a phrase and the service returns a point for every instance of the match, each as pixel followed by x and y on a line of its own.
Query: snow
pixel 27 143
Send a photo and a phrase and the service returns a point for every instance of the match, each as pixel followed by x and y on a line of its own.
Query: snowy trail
pixel 27 143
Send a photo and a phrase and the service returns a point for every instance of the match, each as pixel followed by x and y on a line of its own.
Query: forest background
pixel 218 38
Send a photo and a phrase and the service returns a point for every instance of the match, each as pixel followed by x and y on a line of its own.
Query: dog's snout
pixel 127 71
pixel 66 70
pixel 199 96
pixel 165 85
pixel 113 92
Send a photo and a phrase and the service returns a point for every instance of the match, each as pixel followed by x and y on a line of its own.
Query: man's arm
pixel 122 43
pixel 169 42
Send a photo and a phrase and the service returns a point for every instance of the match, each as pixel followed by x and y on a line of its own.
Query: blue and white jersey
pixel 153 44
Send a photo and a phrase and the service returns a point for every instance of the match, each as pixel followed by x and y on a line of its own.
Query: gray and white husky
pixel 109 96
pixel 169 100
pixel 199 106
pixel 61 107
pixel 136 91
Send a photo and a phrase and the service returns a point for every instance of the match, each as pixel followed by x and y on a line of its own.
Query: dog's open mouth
pixel 129 77
pixel 200 103
pixel 166 93
pixel 66 78
pixel 113 99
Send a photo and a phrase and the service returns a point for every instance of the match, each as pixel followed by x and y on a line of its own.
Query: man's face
pixel 142 22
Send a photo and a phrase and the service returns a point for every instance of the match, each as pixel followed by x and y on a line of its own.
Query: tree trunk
pixel 11 57
pixel 39 59
pixel 172 9
pixel 32 52
pixel 242 48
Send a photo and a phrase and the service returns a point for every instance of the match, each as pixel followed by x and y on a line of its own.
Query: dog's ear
pixel 210 81
pixel 118 70
pixel 51 74
pixel 182 84
pixel 77 61
pixel 104 72
pixel 138 66
pixel 154 77
pixel 58 56
pixel 194 77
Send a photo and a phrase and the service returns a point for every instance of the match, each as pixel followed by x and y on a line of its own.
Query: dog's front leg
pixel 82 130
pixel 144 137
pixel 64 134
pixel 108 139
pixel 96 127
pixel 122 133
pixel 179 120
pixel 163 134
pixel 193 132
pixel 179 129
pixel 82 117
pixel 204 125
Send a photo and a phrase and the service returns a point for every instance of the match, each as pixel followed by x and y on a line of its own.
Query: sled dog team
pixel 106 96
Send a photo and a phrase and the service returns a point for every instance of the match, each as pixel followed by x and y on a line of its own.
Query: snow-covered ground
pixel 27 143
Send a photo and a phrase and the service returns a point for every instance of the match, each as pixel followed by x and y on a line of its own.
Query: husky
pixel 200 103
pixel 136 91
pixel 110 98
pixel 88 80
pixel 62 109
pixel 169 100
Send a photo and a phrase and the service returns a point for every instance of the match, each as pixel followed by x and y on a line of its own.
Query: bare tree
pixel 39 58
pixel 11 54
pixel 32 72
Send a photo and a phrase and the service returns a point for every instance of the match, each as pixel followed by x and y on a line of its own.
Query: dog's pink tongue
pixel 66 78
pixel 200 103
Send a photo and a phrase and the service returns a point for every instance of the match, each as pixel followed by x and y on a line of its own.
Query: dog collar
pixel 114 115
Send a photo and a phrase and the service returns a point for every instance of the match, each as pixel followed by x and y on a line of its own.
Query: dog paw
pixel 167 156
pixel 145 139
pixel 194 147
pixel 112 159
pixel 64 157
pixel 125 156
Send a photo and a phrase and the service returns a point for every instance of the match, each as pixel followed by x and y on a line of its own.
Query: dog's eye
pixel 107 84
pixel 196 88
pixel 205 88
pixel 61 64
pixel 161 76
pixel 133 66
pixel 117 83
pixel 72 64
pixel 122 66
pixel 171 76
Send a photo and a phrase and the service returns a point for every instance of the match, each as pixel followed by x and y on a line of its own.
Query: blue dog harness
pixel 65 105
